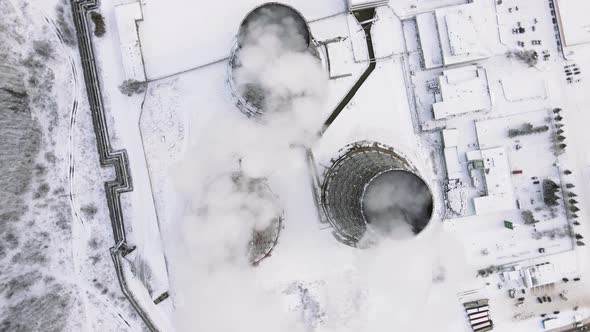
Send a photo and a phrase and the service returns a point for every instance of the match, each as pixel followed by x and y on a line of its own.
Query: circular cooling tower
pixel 263 239
pixel 266 34
pixel 371 188
pixel 275 14
pixel 250 200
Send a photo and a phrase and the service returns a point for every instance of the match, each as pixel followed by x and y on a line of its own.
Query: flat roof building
pixel 456 34
pixel 573 21
pixel 127 16
pixel 496 171
pixel 533 276
pixel 429 41
pixel 462 90
pixel 540 275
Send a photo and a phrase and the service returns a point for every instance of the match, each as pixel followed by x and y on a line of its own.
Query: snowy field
pixel 203 33
pixel 186 121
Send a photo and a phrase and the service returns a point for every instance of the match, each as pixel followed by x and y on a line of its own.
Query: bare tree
pixel 530 57
pixel 131 87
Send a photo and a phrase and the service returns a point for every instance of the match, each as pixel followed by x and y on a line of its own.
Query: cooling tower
pixel 251 201
pixel 263 239
pixel 272 29
pixel 372 190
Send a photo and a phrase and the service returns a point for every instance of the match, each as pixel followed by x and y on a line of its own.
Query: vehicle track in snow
pixel 79 230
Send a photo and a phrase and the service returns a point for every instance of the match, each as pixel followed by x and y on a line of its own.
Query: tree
pixel 550 190
pixel 569 186
pixel 574 209
pixel 527 129
pixel 130 87
pixel 530 57
pixel 573 201
pixel 567 172
pixel 99 26
pixel 528 217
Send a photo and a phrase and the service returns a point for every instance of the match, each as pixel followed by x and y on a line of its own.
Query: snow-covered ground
pixel 186 130
pixel 180 111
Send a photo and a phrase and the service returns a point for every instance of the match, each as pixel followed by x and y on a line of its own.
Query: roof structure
pixel 464 32
pixel 429 41
pixel 365 4
pixel 533 276
pixel 463 90
pixel 455 34
pixel 451 154
pixel 573 21
pixel 127 16
pixel 500 194
pixel 540 275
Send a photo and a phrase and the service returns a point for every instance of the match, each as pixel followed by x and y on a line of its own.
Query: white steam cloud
pixel 276 69
pixel 397 204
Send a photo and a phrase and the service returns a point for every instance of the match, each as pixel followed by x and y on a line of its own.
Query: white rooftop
pixel 451 153
pixel 450 137
pixel 127 15
pixel 500 194
pixel 463 90
pixel 574 21
pixel 540 275
pixel 429 41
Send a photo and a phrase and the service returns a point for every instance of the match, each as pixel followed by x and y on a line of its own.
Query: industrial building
pixel 127 16
pixel 294 35
pixel 462 90
pixel 537 275
pixel 455 34
pixel 494 164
